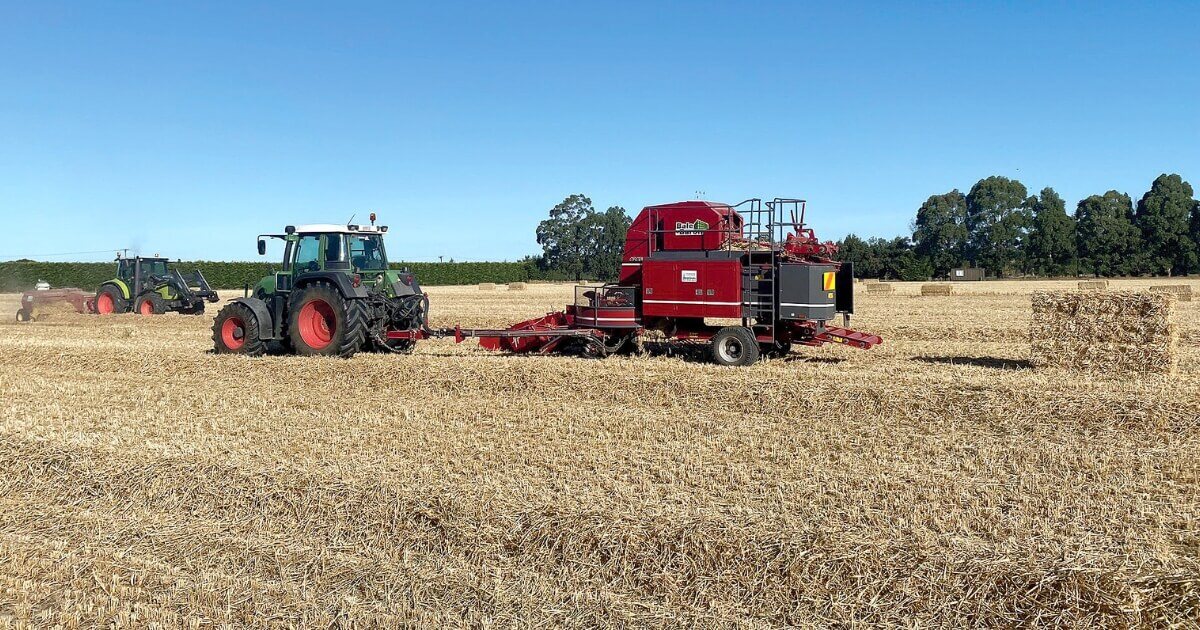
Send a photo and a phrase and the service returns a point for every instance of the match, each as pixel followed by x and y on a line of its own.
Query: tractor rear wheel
pixel 150 304
pixel 735 345
pixel 235 331
pixel 109 300
pixel 322 322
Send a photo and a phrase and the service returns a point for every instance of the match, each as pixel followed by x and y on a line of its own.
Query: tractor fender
pixel 261 313
pixel 337 279
pixel 120 284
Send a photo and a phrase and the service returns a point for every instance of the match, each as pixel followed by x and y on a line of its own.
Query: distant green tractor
pixel 151 286
pixel 334 295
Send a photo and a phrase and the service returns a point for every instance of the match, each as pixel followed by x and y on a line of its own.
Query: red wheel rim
pixel 233 333
pixel 104 304
pixel 317 324
pixel 147 308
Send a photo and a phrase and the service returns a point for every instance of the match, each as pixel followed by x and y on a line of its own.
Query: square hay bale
pixel 487 286
pixel 1121 331
pixel 1093 285
pixel 879 288
pixel 937 289
pixel 871 280
pixel 1182 292
pixel 516 286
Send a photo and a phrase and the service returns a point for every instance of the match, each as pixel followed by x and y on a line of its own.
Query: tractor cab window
pixel 366 253
pixel 154 267
pixel 308 254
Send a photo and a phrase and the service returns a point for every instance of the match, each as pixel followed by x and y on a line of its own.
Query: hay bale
pixel 940 288
pixel 879 288
pixel 1122 331
pixel 1093 285
pixel 1182 292
pixel 487 286
pixel 516 286
pixel 871 280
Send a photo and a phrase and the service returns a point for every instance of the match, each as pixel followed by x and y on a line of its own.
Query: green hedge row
pixel 22 276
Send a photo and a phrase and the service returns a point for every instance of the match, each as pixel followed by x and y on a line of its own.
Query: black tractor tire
pixel 149 304
pixel 735 345
pixel 109 300
pixel 321 322
pixel 235 331
pixel 24 315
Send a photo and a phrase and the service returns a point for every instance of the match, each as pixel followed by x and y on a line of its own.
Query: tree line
pixel 999 226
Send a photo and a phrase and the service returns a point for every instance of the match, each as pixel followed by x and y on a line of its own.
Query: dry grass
pixel 933 481
pixel 940 289
pixel 1120 331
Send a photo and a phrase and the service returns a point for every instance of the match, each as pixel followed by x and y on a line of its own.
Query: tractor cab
pixel 138 269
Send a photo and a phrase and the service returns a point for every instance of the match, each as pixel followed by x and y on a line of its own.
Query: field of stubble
pixel 935 480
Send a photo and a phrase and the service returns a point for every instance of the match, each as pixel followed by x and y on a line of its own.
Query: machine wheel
pixel 235 331
pixel 109 300
pixel 735 345
pixel 150 304
pixel 322 322
pixel 24 315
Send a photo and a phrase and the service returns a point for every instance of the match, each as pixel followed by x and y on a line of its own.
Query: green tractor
pixel 151 286
pixel 334 295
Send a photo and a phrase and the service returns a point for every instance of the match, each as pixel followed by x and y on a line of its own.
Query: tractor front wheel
pixel 735 345
pixel 110 301
pixel 322 322
pixel 150 304
pixel 235 331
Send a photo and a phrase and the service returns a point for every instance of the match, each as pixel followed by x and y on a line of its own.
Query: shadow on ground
pixel 987 362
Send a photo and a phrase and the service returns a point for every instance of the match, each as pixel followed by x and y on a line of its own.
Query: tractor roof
pixel 331 228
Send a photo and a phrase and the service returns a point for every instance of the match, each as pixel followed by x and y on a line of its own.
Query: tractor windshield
pixel 154 267
pixel 366 252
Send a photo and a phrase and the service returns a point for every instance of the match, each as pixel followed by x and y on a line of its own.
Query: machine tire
pixel 735 345
pixel 235 331
pixel 109 300
pixel 150 304
pixel 24 315
pixel 322 322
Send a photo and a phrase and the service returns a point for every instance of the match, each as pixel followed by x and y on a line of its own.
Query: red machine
pixel 30 300
pixel 685 262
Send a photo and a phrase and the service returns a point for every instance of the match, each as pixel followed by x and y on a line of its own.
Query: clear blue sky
pixel 187 131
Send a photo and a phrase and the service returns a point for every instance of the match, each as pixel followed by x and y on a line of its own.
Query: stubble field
pixel 936 480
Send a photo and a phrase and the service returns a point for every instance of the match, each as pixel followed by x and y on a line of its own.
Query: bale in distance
pixel 937 289
pixel 1122 331
pixel 516 286
pixel 1182 292
pixel 487 286
pixel 870 280
pixel 879 288
pixel 1093 285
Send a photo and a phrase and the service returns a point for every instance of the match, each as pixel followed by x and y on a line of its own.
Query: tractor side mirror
pixel 262 247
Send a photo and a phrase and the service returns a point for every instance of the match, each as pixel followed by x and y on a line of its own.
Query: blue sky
pixel 188 130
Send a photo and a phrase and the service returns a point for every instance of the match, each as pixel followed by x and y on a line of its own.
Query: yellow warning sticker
pixel 830 281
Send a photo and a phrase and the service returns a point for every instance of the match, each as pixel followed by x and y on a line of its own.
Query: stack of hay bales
pixel 879 288
pixel 940 288
pixel 1093 285
pixel 487 286
pixel 1122 331
pixel 516 286
pixel 1182 292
